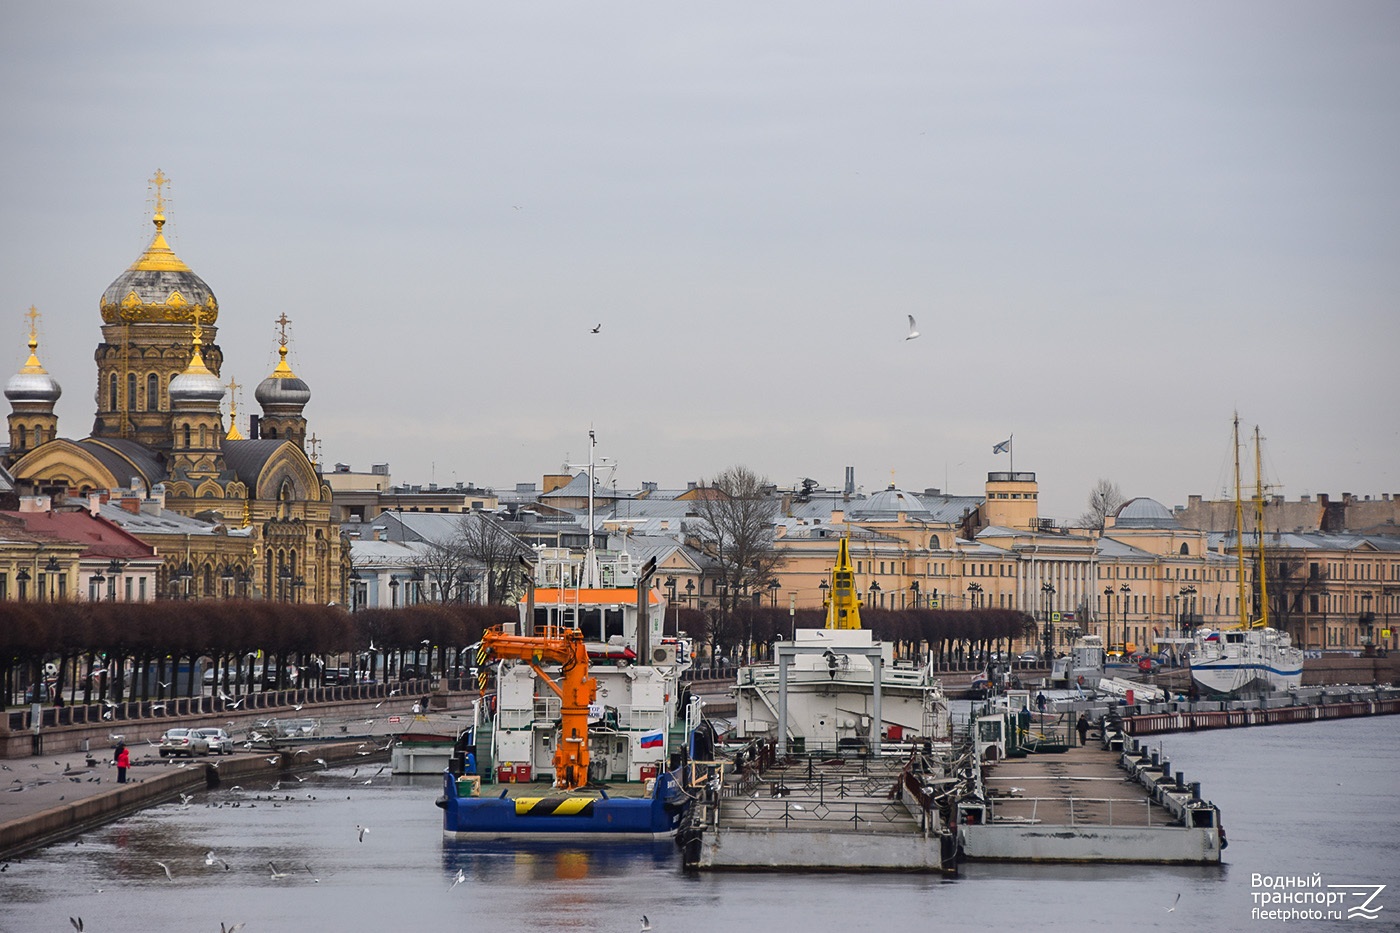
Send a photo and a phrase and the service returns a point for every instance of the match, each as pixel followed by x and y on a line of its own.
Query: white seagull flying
pixel 913 329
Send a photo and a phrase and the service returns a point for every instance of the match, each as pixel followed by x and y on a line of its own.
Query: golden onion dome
pixel 158 288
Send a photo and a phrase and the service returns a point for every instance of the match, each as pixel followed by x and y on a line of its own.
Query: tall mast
pixel 1259 530
pixel 590 554
pixel 1239 533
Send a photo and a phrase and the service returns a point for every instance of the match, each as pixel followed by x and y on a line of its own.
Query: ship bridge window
pixel 600 624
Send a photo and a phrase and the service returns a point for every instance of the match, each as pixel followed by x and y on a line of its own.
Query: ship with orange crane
pixel 587 696
pixel 558 658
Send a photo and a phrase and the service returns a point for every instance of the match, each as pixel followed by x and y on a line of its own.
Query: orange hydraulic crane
pixel 576 690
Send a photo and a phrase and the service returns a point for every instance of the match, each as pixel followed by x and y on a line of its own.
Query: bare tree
pixel 486 543
pixel 737 511
pixel 1104 500
pixel 447 564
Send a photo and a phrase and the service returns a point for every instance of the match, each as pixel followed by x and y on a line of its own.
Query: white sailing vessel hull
pixel 1252 661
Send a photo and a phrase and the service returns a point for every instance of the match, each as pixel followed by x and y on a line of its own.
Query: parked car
pixel 218 741
pixel 1028 657
pixel 187 742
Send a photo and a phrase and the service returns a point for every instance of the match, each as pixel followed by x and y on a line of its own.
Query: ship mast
pixel 1259 531
pixel 1243 596
pixel 590 554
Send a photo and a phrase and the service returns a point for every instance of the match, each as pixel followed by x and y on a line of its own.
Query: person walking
pixel 1082 727
pixel 122 759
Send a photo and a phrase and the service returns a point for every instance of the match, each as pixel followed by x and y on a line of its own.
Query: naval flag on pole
pixel 1003 447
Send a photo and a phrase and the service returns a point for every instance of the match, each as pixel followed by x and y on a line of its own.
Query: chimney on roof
pixel 35 504
pixel 850 487
pixel 131 504
pixel 95 500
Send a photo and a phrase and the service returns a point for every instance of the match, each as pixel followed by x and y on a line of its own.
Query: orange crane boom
pixel 576 691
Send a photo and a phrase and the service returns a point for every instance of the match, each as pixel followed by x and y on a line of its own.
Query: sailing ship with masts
pixel 1250 657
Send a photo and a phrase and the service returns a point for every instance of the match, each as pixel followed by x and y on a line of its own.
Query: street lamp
pixel 773 587
pixel 227 578
pixel 874 591
pixel 1185 609
pixel 914 593
pixel 1108 598
pixel 114 570
pixel 824 587
pixel 95 586
pixel 393 592
pixel 183 575
pixel 1367 620
pixel 52 569
pixel 1125 589
pixel 1048 637
pixel 690 592
pixel 22 578
pixel 975 589
pixel 284 582
pixel 354 589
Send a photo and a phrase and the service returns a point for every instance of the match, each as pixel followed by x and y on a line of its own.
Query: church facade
pixel 159 434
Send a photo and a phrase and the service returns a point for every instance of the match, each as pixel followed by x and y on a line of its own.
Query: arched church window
pixel 131 391
pixel 269 432
pixel 1185 550
pixel 112 403
pixel 152 392
pixel 203 437
pixel 187 436
pixel 21 444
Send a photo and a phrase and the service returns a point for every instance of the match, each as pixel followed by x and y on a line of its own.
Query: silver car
pixel 185 742
pixel 218 741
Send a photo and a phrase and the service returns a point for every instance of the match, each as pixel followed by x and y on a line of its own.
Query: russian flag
pixel 652 739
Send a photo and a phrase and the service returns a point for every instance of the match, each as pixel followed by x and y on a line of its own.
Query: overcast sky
pixel 1115 224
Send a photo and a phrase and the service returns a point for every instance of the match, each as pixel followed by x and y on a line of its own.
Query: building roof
pixel 1143 512
pixel 247 458
pixel 101 538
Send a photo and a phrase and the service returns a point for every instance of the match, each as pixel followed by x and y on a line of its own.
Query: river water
pixel 1298 800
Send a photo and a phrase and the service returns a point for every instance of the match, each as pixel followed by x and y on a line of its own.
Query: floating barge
pixel 1089 804
pixel 580 816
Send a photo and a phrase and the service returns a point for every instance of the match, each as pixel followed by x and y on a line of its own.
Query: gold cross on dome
pixel 33 316
pixel 160 180
pixel 282 323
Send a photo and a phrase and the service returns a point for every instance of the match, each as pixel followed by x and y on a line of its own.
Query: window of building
pixel 131 391
pixel 152 392
pixel 112 401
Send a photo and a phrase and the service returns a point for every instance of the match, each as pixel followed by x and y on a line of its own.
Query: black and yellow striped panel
pixel 554 806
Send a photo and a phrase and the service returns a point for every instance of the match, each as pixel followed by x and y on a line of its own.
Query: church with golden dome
pixel 159 440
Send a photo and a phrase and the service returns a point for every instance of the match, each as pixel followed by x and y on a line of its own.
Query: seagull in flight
pixel 461 876
pixel 166 869
pixel 913 329
pixel 1174 903
pixel 646 924
pixel 276 875
pixel 596 329
pixel 362 830
pixel 211 860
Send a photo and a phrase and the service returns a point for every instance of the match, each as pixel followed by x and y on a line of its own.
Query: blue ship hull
pixel 562 816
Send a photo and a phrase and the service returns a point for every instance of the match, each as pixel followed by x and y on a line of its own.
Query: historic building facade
pixel 159 435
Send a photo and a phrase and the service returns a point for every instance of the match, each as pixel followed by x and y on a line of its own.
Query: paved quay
pixel 53 796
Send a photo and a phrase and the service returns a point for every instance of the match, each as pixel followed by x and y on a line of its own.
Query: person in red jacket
pixel 123 761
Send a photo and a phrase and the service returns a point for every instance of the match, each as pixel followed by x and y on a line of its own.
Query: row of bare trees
pixel 749 632
pixel 112 651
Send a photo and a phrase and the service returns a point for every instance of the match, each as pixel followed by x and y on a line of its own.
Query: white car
pixel 219 741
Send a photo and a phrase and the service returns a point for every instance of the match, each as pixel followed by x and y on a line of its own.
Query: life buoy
pixel 1081 680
